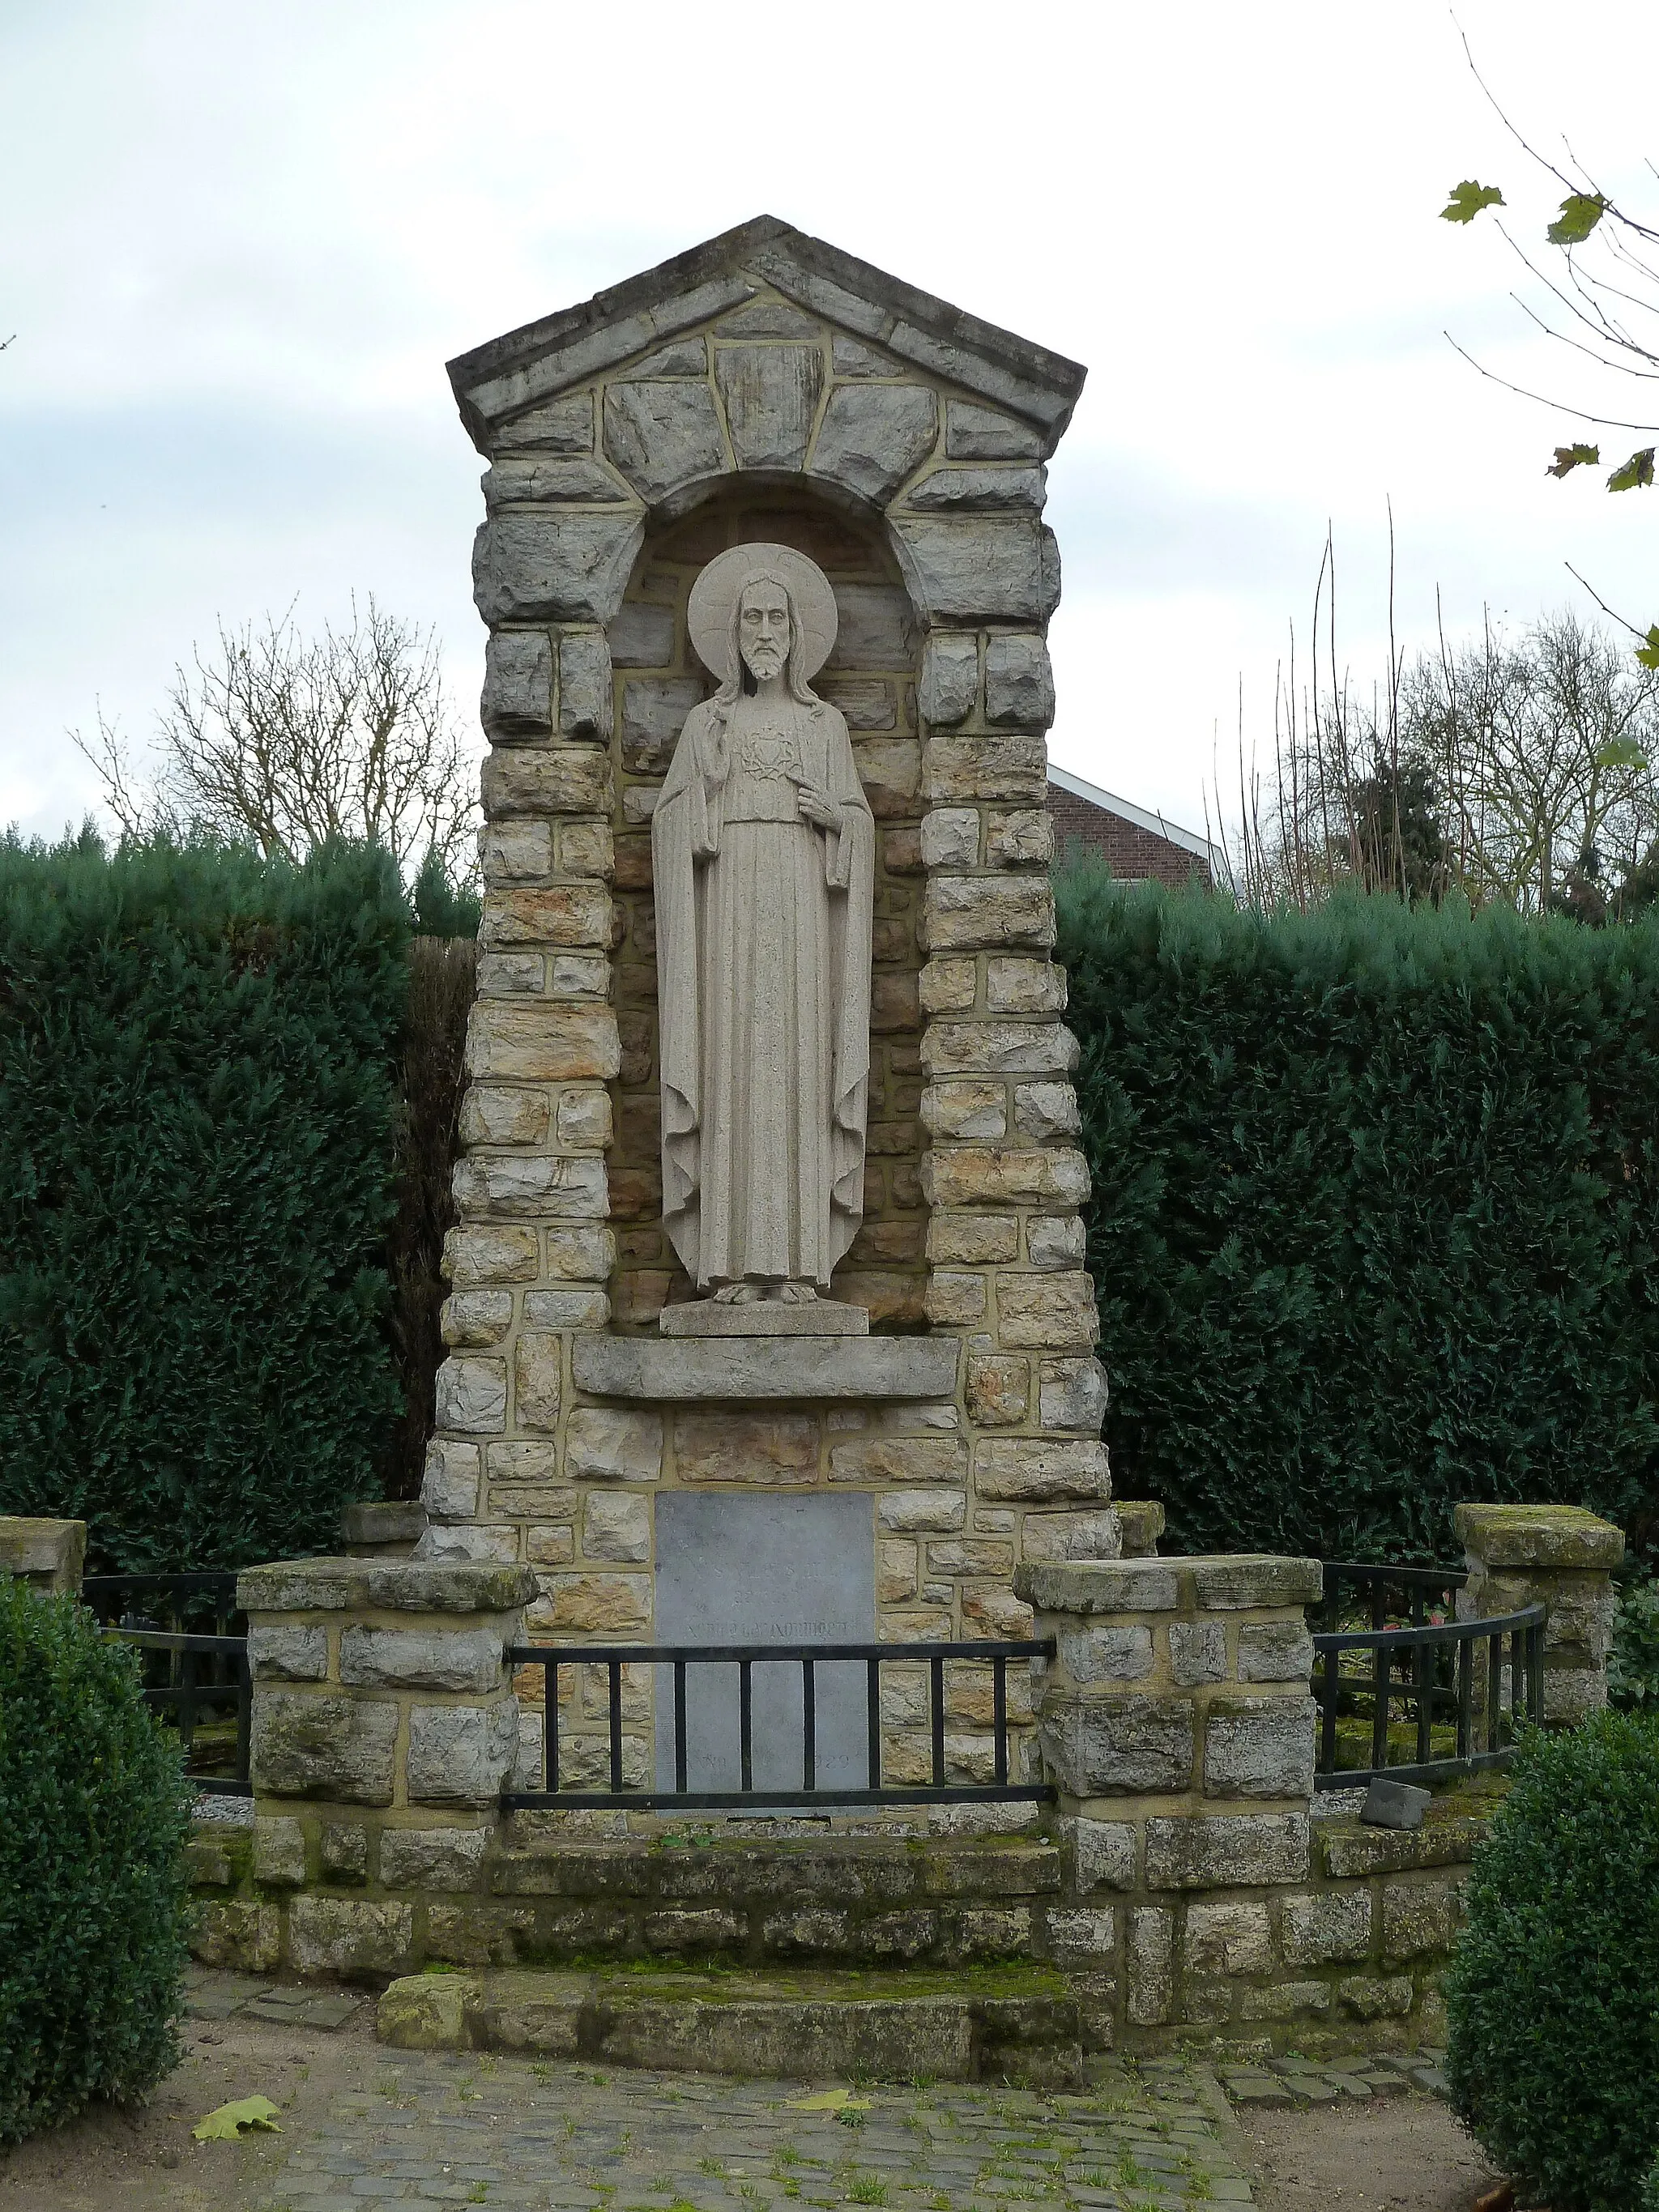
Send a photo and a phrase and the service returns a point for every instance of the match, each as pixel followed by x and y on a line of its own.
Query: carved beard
pixel 764 659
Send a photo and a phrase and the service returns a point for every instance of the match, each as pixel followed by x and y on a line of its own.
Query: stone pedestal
pixel 1562 1557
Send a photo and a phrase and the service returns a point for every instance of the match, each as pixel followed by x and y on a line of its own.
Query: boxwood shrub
pixel 94 1813
pixel 1554 1993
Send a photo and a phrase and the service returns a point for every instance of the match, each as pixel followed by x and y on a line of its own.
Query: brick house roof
pixel 1136 845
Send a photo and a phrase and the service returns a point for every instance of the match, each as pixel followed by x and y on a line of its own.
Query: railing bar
pixel 1424 1670
pixel 679 1726
pixel 186 1702
pixel 1465 1697
pixel 746 1724
pixel 999 1715
pixel 872 1719
pixel 937 1701
pixel 1380 1667
pixel 615 1673
pixel 1328 1689
pixel 1535 1637
pixel 244 1719
pixel 551 1724
pixel 809 1726
pixel 1494 1691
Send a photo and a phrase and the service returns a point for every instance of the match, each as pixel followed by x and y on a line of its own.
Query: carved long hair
pixel 731 688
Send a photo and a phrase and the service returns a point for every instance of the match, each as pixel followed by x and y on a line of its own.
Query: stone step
pixel 1017 2025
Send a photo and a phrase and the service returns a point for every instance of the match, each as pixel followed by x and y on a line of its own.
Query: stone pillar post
pixel 1177 1724
pixel 48 1555
pixel 1518 1555
pixel 384 1728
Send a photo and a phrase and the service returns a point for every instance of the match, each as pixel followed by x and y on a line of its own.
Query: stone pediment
pixel 531 369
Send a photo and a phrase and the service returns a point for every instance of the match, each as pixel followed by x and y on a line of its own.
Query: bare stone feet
pixel 794 1294
pixel 737 1294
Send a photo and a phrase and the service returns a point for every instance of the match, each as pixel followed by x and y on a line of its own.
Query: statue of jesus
pixel 764 850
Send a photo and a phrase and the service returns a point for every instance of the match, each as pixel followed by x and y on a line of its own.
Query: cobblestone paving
pixel 1287 2081
pixel 445 2129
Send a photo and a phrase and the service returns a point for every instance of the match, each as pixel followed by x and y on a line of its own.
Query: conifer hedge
pixel 1375 1212
pixel 197 1122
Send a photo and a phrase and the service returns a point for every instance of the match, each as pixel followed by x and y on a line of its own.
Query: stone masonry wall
pixel 750 395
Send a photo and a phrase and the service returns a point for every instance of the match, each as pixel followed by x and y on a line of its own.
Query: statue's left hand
pixel 818 806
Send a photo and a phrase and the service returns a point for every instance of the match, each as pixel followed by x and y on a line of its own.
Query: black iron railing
pixel 1457 1692
pixel 195 1675
pixel 685 1736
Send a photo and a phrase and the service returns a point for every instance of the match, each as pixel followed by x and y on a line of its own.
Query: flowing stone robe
pixel 763 994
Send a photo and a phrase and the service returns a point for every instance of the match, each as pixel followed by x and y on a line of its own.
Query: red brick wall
pixel 1133 854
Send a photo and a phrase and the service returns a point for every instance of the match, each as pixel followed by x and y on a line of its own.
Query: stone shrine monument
pixel 771 1185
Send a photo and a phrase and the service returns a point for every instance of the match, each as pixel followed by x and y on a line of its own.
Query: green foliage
pixel 1580 213
pixel 1651 2189
pixel 1376 1199
pixel 1466 201
pixel 1633 1662
pixel 94 1814
pixel 1568 458
pixel 197 1126
pixel 1635 475
pixel 1647 653
pixel 442 908
pixel 1553 2047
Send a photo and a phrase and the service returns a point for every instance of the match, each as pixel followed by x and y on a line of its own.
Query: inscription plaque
pixel 769 1570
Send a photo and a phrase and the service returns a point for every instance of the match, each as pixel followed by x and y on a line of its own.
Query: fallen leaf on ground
pixel 1497 2200
pixel 831 2100
pixel 226 2122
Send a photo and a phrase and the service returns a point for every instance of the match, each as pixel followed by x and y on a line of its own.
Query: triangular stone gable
pixel 898 328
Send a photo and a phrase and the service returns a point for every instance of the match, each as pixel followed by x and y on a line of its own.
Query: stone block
pixel 950 837
pixel 876 628
pixel 642 636
pixel 550 780
pixel 279 1854
pixel 472 1319
pixel 1549 1536
pixel 278 1651
pixel 554 914
pixel 315 1746
pixel 1375 1996
pixel 999 1388
pixel 1112 1746
pixel 1228 1936
pixel 1260 1748
pixel 1122 1653
pixel 1045 1313
pixel 909 1460
pixel 517 687
pixel 1151 1948
pixel 1103 1852
pixel 457 1542
pixel 1010 768
pixel 536 1366
pixel 950 676
pixel 490 1255
pixel 478 1934
pixel 1198 1652
pixel 1395 1804
pixel 872 436
pixel 1229 1583
pixel 569 1308
pixel 664 435
pixel 1021 837
pixel 1054 1242
pixel 349 1936
pixel 242 1934
pixel 546 566
pixel 1100 1586
pixel 964 1176
pixel 654 709
pixel 587 848
pixel 889 768
pixel 910 1511
pixel 462 1754
pixel 471 1397
pixel 955 1300
pixel 949 986
pixel 558 426
pixel 1017 985
pixel 1141 1522
pixel 580 1255
pixel 554 1546
pixel 509 852
pixel 511 975
pixel 963 912
pixel 531 479
pixel 973 1110
pixel 616 1525
pixel 982 434
pixel 539 1040
pixel 1420 1919
pixel 595 1604
pixel 603 1445
pixel 1071 1394
pixel 1060 1537
pixel 422 1658
pixel 1081 1935
pixel 1227 1850
pixel 770 394
pixel 1327 1925
pixel 358 1585
pixel 1275 1651
pixel 344 1853
pixel 584 691
pixel 980 490
pixel 1020 683
pixel 1287 2001
pixel 1035 1048
pixel 1038 1467
pixel 980 568
pixel 1044 1111
pixel 495 1113
pixel 766 1448
pixel 991 1610
pixel 585 1121
pixel 972 1240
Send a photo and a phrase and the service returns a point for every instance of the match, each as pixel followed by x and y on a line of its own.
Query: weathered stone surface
pixel 1009 766
pixel 607 1446
pixel 1103 1852
pixel 950 837
pixel 542 1040
pixel 1231 1583
pixel 843 1368
pixel 1020 985
pixel 654 708
pixel 1100 1586
pixel 1036 1467
pixel 240 1934
pixel 316 1746
pixel 601 1604
pixel 1260 1748
pixel 968 1175
pixel 770 393
pixel 585 692
pixel 745 1447
pixel 985 490
pixel 1369 1997
pixel 999 1388
pixel 1020 683
pixel 537 1184
pixel 1420 1919
pixel 1038 1047
pixel 1071 1394
pixel 1110 1746
pixel 1047 1313
pixel 279 1854
pixel 663 435
pixel 1019 837
pixel 471 1320
pixel 981 433
pixel 517 687
pixel 872 436
pixel 1198 1652
pixel 955 1300
pixel 890 770
pixel 348 1935
pixel 867 703
pixel 616 1525
pixel 984 567
pixel 422 1658
pixel 1275 1651
pixel 500 1114
pixel 432 1858
pixel 876 628
pixel 1107 1654
pixel 571 1309
pixel 1151 1948
pixel 508 851
pixel 490 1255
pixel 462 1754
pixel 642 635
pixel 973 1110
pixel 279 1652
pixel 950 676
pixel 1227 1850
pixel 1140 1520
pixel 511 975
pixel 471 1397
pixel 911 1460
pixel 1057 1538
pixel 1556 1536
pixel 1327 1925
pixel 530 565
pixel 458 1543
pixel 531 479
pixel 1045 1111
pixel 1228 1936
pixel 584 1119
pixel 332 1585
pixel 558 426
pixel 967 911
pixel 344 1854
pixel 547 780
pixel 906 1510
pixel 1055 1241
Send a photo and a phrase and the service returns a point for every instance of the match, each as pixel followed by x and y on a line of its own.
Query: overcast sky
pixel 240 242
